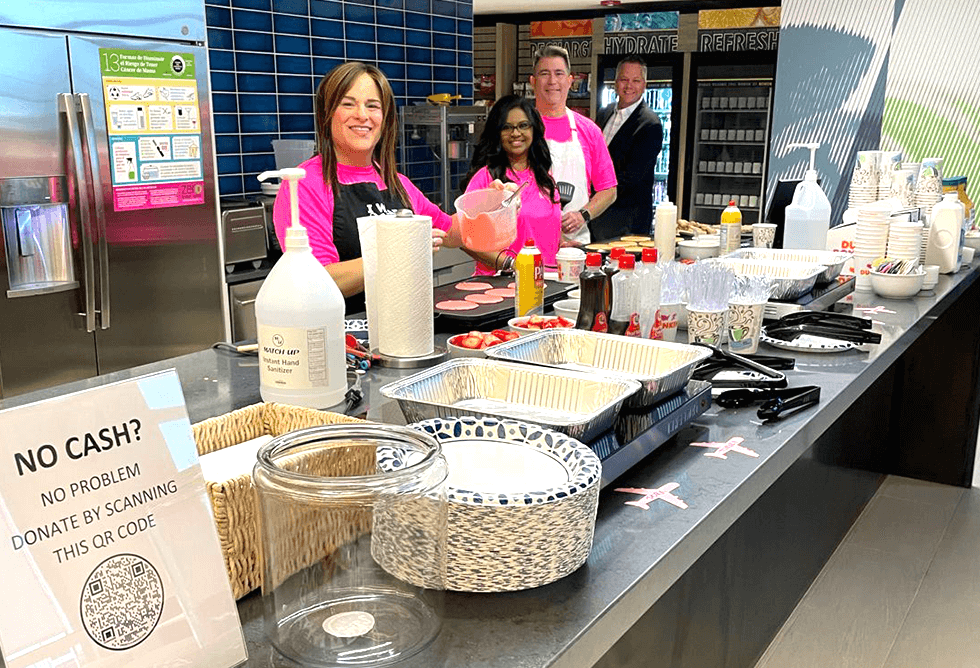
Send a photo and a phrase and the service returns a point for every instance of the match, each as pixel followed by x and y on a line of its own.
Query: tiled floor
pixel 901 591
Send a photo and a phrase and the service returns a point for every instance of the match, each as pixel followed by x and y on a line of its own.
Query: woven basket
pixel 234 501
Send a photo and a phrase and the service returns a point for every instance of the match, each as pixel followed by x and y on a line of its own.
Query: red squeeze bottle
pixel 593 311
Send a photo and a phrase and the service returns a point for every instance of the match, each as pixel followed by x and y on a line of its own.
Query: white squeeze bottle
pixel 808 217
pixel 665 231
pixel 299 313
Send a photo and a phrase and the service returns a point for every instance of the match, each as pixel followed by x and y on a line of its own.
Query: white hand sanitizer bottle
pixel 808 217
pixel 299 313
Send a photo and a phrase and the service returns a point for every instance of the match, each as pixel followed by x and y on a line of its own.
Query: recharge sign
pixel 104 525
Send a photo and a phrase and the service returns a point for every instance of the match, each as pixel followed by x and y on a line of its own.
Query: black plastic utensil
pixel 565 192
pixel 774 402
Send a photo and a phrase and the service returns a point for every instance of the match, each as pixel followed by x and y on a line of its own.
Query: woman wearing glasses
pixel 512 149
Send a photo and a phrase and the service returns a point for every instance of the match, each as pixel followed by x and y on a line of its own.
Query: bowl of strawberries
pixel 533 323
pixel 474 344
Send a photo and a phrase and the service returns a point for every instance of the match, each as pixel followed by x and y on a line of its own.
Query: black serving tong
pixel 726 361
pixel 839 326
pixel 775 402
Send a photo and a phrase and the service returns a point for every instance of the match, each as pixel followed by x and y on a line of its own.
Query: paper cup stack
pixel 903 187
pixel 905 240
pixel 864 180
pixel 870 241
pixel 929 183
pixel 889 162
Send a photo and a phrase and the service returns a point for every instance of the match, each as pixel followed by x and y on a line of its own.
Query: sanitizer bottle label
pixel 292 358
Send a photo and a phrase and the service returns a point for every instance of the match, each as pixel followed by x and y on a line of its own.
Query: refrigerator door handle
pixel 66 105
pixel 103 244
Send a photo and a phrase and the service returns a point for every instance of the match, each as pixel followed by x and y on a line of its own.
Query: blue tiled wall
pixel 267 57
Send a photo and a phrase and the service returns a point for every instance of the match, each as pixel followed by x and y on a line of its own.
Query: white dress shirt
pixel 616 121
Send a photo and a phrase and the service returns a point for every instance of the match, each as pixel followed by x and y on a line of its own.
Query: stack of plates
pixel 870 241
pixel 905 240
pixel 521 504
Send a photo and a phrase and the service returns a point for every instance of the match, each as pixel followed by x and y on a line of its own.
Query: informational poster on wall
pixel 153 117
pixel 108 547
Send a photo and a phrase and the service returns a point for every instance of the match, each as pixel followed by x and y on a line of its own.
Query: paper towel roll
pixel 367 231
pixel 403 286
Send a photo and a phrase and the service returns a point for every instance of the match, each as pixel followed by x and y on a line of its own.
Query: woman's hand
pixel 497 184
pixel 437 237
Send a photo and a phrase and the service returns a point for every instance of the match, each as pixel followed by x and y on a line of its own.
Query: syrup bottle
pixel 593 312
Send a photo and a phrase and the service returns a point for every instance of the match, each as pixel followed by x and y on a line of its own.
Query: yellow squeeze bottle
pixel 731 228
pixel 529 268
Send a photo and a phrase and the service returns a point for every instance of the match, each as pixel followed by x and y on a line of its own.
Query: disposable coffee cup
pixel 571 262
pixel 744 327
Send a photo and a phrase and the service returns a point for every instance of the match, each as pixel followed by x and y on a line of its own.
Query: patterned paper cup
pixel 744 327
pixel 763 235
pixel 705 326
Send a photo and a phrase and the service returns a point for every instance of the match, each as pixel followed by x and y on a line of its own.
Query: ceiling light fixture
pixel 610 3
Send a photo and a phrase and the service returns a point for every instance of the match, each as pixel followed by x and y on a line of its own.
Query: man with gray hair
pixel 635 136
pixel 579 156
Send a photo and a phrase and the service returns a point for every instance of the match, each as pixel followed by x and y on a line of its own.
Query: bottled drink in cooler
pixel 593 310
pixel 648 290
pixel 624 318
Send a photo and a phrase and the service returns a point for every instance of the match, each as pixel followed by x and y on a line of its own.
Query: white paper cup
pixel 571 262
pixel 669 318
pixel 744 327
pixel 862 272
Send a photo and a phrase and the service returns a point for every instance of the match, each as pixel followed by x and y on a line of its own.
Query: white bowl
pixel 456 352
pixel 972 240
pixel 698 249
pixel 514 327
pixel 897 286
pixel 567 308
pixel 575 294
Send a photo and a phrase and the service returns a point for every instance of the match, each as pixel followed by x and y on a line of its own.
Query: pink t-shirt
pixel 316 205
pixel 539 218
pixel 598 164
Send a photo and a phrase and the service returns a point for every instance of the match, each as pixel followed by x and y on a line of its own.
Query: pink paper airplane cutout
pixel 733 445
pixel 876 310
pixel 663 493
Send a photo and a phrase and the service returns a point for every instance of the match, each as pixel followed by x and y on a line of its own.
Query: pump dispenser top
pixel 299 315
pixel 808 216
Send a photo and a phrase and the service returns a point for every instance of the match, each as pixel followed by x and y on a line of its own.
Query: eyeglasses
pixel 523 126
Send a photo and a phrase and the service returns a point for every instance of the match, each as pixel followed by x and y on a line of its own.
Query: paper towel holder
pixel 438 354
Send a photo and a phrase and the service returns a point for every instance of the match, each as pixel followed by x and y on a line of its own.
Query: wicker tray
pixel 233 501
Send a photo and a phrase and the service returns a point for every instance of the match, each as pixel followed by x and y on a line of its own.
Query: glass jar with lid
pixel 332 526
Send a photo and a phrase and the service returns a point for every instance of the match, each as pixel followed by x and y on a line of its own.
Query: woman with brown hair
pixel 354 175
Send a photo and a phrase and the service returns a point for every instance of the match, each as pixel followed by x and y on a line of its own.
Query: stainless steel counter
pixel 639 555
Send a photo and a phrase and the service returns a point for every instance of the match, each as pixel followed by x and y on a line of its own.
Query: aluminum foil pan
pixel 790 279
pixel 571 402
pixel 661 367
pixel 833 260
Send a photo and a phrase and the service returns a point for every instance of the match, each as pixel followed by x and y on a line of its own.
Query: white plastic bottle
pixel 299 313
pixel 625 318
pixel 943 247
pixel 808 217
pixel 648 289
pixel 665 231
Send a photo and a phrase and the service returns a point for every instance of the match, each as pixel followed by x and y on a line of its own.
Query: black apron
pixel 354 201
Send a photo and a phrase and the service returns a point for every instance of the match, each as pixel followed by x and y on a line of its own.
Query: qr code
pixel 122 601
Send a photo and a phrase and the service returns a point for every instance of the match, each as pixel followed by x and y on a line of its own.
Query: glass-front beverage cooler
pixel 729 142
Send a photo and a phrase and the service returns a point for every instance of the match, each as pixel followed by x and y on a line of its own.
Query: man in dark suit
pixel 634 136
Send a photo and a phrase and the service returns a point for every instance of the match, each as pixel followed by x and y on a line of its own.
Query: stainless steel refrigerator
pixel 111 255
